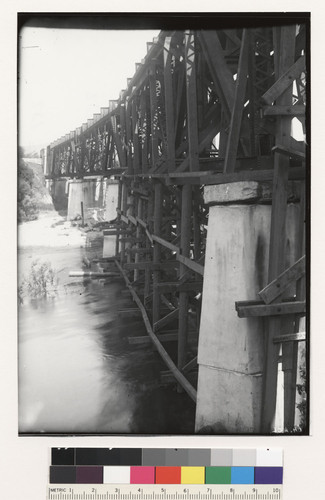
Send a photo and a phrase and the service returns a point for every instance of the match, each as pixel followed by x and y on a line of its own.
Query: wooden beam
pixel 290 337
pixel 285 81
pixel 190 365
pixel 158 201
pixel 139 231
pixel 238 106
pixel 163 353
pixel 186 232
pixel 176 286
pixel 191 101
pixel 165 243
pixel 277 110
pixel 153 113
pixel 288 151
pixel 219 69
pixel 294 173
pixel 162 337
pixel 282 93
pixel 191 264
pixel 156 266
pixel 169 105
pixel 158 325
pixel 135 135
pixel 132 219
pixel 128 136
pixel 281 283
pixel 298 307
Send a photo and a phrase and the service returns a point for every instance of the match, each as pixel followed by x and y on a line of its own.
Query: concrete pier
pixel 231 349
pixel 58 193
pixel 111 202
pixel 111 199
pixel 80 190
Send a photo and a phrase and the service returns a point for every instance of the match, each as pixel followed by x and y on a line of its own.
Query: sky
pixel 66 75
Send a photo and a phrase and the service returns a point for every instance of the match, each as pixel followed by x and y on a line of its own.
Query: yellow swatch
pixel 193 475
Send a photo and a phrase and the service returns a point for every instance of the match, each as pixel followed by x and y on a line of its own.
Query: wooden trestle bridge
pixel 206 108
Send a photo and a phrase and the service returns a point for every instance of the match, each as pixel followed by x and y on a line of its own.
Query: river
pixel 78 372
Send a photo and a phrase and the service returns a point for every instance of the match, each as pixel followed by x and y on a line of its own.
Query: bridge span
pixel 201 162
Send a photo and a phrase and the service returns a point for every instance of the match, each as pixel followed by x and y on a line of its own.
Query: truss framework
pixel 204 107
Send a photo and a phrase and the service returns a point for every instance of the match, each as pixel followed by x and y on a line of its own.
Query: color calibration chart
pixel 165 474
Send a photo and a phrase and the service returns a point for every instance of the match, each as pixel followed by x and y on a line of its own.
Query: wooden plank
pixel 176 286
pixel 144 131
pixel 128 136
pixel 285 81
pixel 277 110
pixel 191 264
pixel 158 201
pixel 165 243
pixel 137 256
pixel 163 353
pixel 288 151
pixel 124 219
pixel 280 284
pixel 156 266
pixel 191 101
pixel 169 105
pixel 219 69
pixel 190 365
pixel 149 236
pixel 92 274
pixel 294 173
pixel 131 240
pixel 238 106
pixel 132 219
pixel 298 307
pixel 207 137
pixel 129 312
pixel 282 92
pixel 141 251
pixel 135 135
pixel 141 222
pixel 290 337
pixel 185 241
pixel 158 325
pixel 162 337
pixel 153 113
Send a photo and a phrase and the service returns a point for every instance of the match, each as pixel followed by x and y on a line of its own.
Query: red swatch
pixel 168 475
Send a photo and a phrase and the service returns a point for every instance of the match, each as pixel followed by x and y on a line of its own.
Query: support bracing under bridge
pixel 211 211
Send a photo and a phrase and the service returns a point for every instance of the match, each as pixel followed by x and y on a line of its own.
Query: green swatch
pixel 218 475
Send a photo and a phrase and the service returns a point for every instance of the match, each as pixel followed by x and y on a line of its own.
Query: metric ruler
pixel 164 492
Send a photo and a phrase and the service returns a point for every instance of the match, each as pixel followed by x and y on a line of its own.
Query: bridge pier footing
pixel 231 349
pixel 111 204
pixel 80 191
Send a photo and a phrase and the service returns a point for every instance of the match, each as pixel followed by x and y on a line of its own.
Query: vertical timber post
pixel 156 250
pixel 186 213
pixel 286 34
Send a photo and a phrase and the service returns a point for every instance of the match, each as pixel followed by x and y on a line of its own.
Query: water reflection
pixel 77 371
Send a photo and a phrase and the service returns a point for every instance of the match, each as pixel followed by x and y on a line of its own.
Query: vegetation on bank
pixel 41 282
pixel 32 196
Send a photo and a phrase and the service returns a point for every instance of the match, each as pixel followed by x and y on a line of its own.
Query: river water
pixel 78 373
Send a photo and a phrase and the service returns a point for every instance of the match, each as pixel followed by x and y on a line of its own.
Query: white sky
pixel 68 75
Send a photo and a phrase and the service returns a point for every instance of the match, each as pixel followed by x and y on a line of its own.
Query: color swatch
pixel 166 466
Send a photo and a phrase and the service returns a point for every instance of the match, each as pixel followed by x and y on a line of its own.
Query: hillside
pixel 32 196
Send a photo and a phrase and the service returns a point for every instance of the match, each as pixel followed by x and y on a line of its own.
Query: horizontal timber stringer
pixel 206 125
